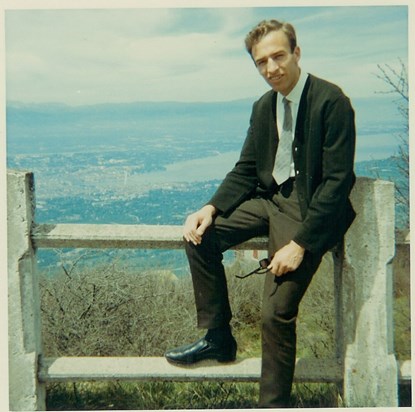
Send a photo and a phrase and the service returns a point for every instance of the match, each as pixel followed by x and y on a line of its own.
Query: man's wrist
pixel 212 209
pixel 297 246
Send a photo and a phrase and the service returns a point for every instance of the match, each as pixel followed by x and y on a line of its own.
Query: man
pixel 292 183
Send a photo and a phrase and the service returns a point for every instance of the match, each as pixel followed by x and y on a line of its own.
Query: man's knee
pixel 278 319
pixel 208 248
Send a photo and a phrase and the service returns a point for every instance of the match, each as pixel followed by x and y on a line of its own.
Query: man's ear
pixel 297 53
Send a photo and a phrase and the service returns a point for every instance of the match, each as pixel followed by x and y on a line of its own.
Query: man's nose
pixel 272 66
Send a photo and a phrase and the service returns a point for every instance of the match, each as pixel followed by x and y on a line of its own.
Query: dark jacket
pixel 323 150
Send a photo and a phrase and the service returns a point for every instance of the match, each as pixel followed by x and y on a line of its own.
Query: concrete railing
pixel 364 364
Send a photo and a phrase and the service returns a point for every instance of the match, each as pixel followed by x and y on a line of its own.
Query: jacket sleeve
pixel 329 212
pixel 241 181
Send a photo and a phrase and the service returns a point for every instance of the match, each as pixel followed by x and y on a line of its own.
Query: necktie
pixel 282 166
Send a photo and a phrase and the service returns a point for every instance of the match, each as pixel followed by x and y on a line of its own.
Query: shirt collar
pixel 295 95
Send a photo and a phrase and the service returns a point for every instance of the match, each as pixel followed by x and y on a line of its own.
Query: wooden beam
pixel 157 368
pixel 66 369
pixel 101 236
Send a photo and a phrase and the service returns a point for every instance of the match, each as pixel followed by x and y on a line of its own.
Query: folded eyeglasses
pixel 263 268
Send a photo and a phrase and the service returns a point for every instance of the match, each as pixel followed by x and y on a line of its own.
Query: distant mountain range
pixel 48 128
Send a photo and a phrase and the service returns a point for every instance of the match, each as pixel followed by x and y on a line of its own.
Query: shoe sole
pixel 193 362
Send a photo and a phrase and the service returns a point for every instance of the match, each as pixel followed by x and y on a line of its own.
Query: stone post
pixel 25 392
pixel 365 299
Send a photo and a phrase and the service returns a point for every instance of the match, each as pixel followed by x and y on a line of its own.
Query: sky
pixel 90 56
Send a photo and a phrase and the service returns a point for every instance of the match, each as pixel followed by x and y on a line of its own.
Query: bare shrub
pixel 396 80
pixel 110 310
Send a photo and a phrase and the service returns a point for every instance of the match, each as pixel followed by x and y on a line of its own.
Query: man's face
pixel 276 63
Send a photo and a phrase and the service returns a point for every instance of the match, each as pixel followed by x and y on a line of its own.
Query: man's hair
pixel 266 26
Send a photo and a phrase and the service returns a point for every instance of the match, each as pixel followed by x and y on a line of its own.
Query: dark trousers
pixel 279 218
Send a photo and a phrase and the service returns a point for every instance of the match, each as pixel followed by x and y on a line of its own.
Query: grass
pixel 153 395
pixel 167 395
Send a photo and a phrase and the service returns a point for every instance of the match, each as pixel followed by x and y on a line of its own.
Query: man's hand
pixel 287 259
pixel 197 223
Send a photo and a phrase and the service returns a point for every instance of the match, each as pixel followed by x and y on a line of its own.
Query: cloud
pixel 92 56
pixel 351 41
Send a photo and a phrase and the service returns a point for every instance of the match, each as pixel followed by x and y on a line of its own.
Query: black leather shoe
pixel 202 350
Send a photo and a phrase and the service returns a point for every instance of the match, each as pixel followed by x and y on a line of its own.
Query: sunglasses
pixel 263 268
